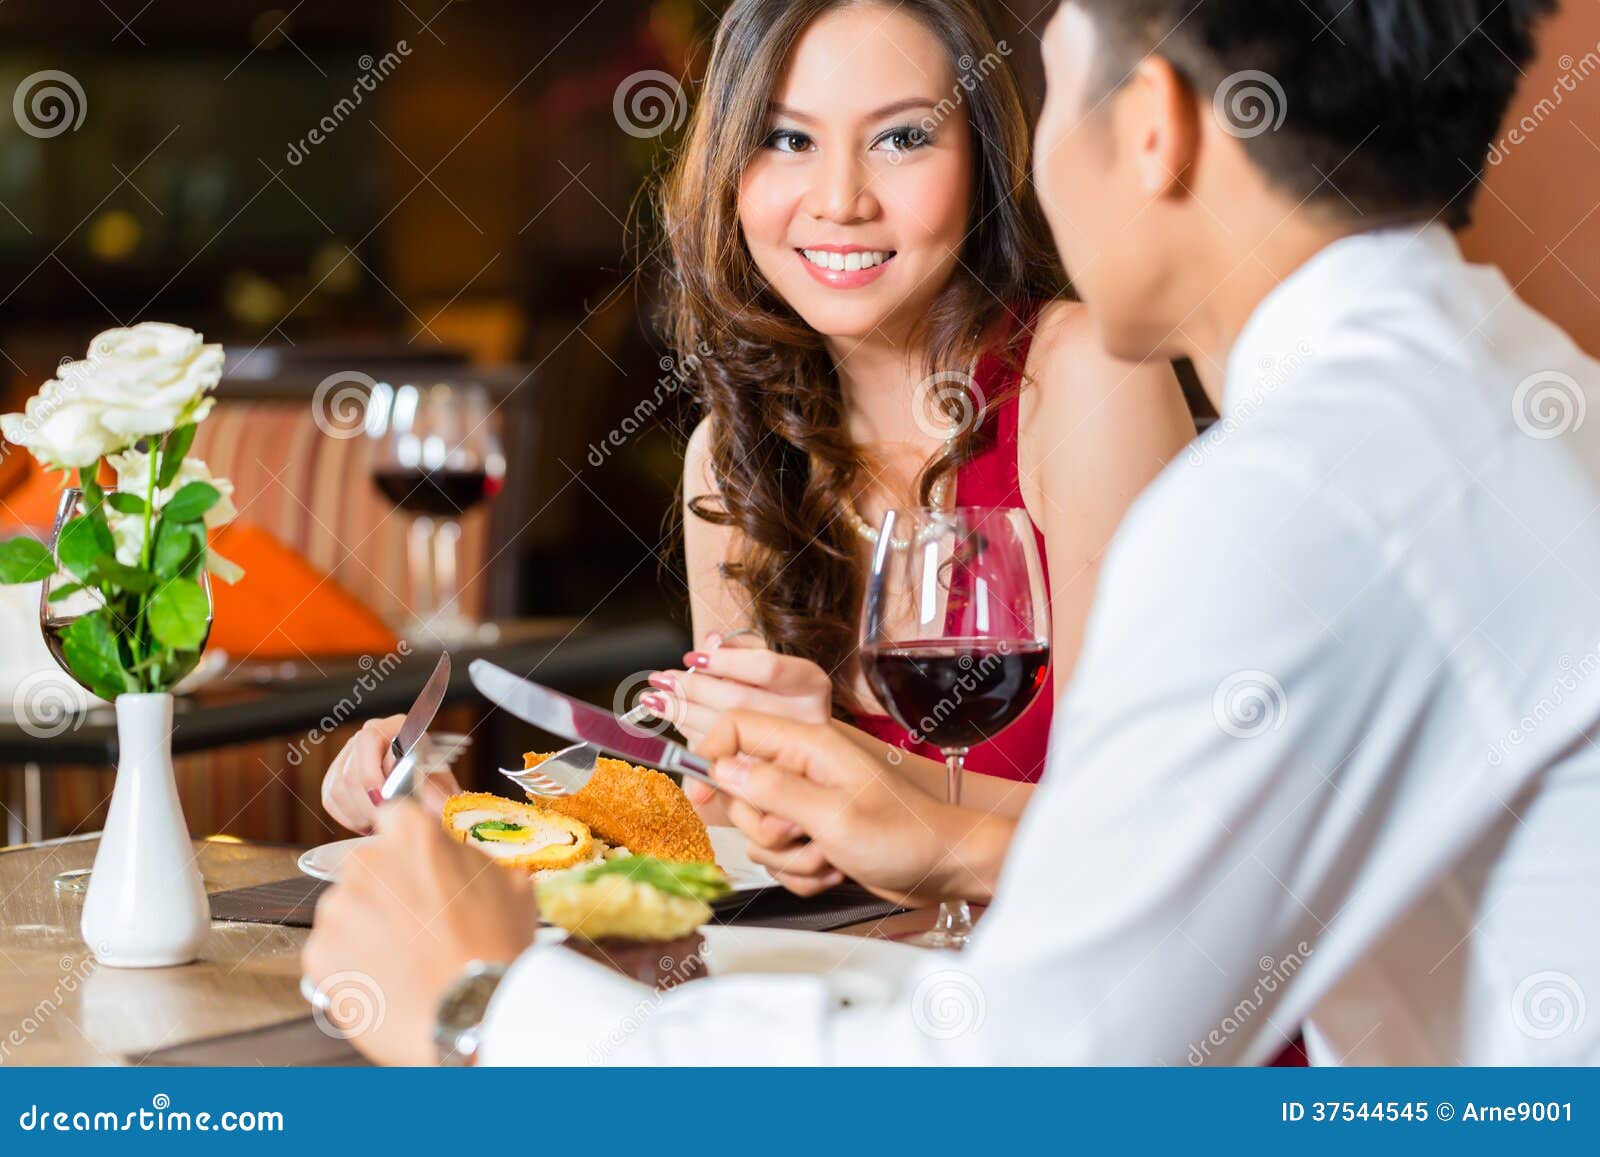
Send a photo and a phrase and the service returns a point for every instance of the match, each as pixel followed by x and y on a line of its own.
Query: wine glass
pixel 60 606
pixel 438 455
pixel 955 638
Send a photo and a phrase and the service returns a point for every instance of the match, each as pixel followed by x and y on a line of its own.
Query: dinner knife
pixel 581 722
pixel 415 725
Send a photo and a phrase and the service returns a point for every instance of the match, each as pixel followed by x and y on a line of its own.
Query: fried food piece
pixel 634 808
pixel 517 835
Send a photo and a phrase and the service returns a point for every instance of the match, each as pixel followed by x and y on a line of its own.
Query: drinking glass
pixel 955 638
pixel 438 455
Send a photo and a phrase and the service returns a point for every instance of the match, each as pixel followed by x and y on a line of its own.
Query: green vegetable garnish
pixel 497 832
pixel 693 881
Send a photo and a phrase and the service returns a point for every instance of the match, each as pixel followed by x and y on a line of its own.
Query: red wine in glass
pixel 442 493
pixel 957 693
pixel 955 638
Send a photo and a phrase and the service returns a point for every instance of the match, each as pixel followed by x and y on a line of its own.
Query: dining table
pixel 238 1004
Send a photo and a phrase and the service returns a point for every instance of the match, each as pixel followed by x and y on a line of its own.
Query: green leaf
pixel 129 578
pixel 191 502
pixel 65 591
pixel 79 547
pixel 177 614
pixel 125 502
pixel 174 544
pixel 22 560
pixel 90 647
pixel 172 453
pixel 694 881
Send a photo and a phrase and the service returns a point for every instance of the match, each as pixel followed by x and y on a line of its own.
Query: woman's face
pixel 856 205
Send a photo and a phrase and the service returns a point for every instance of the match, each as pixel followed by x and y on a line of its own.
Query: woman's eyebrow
pixel 778 108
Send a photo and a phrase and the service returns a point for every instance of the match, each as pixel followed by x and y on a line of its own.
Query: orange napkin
pixel 283 607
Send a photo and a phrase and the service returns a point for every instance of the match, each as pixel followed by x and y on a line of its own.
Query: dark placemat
pixel 290 902
pixel 776 908
pixel 296 1042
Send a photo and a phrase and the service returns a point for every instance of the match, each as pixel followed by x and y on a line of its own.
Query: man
pixel 1328 753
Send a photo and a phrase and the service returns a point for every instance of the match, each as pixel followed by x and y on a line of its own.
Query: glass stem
pixel 419 551
pixel 954 924
pixel 446 590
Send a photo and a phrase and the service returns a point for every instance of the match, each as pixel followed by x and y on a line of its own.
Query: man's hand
pixel 816 808
pixel 409 911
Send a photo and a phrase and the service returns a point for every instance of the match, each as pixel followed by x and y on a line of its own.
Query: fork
pixel 573 764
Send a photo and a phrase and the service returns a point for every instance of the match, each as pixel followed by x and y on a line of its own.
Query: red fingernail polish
pixel 663 680
pixel 656 703
pixel 697 659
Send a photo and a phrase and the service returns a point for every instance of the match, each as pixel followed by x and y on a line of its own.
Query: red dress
pixel 990 478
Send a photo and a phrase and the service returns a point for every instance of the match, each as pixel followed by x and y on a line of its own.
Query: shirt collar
pixel 1282 334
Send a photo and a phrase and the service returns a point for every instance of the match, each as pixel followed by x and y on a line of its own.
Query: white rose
pixel 149 378
pixel 133 475
pixel 61 426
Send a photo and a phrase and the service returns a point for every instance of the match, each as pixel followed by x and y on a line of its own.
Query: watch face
pixel 462 1009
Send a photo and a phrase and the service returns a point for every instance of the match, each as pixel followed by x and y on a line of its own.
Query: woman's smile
pixel 845 266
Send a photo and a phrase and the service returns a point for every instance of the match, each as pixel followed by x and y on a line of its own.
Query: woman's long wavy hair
pixel 784 466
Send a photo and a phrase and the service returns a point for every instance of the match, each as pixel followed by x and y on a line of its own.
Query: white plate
pixel 860 969
pixel 727 843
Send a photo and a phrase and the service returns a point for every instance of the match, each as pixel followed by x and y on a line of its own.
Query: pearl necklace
pixel 938 496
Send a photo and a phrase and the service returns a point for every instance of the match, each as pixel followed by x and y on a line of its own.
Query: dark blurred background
pixel 443 190
pixel 473 205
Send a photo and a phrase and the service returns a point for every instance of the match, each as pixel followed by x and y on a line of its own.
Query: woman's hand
pixel 350 789
pixel 735 673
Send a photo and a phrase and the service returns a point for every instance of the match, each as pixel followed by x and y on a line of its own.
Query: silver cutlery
pixel 402 780
pixel 573 719
pixel 570 763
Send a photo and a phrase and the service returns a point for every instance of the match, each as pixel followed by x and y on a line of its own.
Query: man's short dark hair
pixel 1389 105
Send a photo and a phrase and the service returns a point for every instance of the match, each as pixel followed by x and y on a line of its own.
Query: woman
pixel 852 247
pixel 895 130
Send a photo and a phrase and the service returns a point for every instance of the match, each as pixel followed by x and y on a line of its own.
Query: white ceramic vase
pixel 146 906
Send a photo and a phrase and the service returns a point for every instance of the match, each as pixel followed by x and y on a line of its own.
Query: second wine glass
pixel 438 456
pixel 955 638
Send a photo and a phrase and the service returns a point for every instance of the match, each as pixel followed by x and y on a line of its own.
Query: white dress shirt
pixel 1328 756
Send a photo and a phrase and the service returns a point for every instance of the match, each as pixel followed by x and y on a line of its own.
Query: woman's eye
pixel 904 140
pixel 788 141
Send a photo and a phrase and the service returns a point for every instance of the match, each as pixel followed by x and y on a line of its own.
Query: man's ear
pixel 1160 120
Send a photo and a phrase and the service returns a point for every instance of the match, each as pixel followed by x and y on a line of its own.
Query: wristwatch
pixel 458 1025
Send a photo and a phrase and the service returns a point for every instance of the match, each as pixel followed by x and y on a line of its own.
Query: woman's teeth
pixel 823 259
